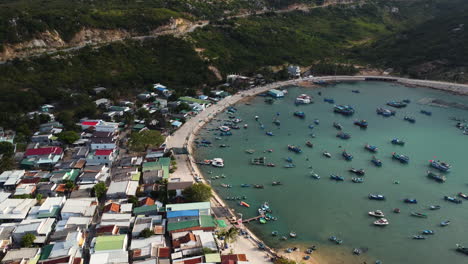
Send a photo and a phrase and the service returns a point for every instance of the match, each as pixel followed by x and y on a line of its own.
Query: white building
pixel 79 207
pixel 41 228
pixel 122 189
pixel 13 176
pixel 15 209
pixel 99 125
pixel 100 157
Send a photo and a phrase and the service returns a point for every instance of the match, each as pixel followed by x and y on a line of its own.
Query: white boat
pixel 303 99
pixel 224 128
pixel 381 222
pixel 217 162
pixel 327 154
pixel 376 213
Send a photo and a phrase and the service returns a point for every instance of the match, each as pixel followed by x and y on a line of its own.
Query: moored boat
pixel 326 154
pixel 396 210
pixel 427 232
pixel 258 186
pixel 345 110
pixel 289 166
pixel 361 123
pixel 462 249
pixel 376 197
pixel 309 144
pixel 376 213
pixel 396 104
pixel 425 112
pixel 357 171
pixel 434 207
pixel 452 199
pixel 336 177
pixel 343 135
pixel 299 114
pixel 445 223
pixel 409 119
pixel 269 133
pixel 314 175
pixel 275 183
pixel 440 165
pixel 376 161
pixel 401 158
pixel 385 112
pixel 419 237
pixel 245 185
pixel 381 222
pixel 410 201
pixel 329 100
pixel 357 180
pixel 244 204
pixel 303 99
pixel 224 128
pixel 250 151
pixel 346 155
pixel 271 165
pixel 294 148
pixel 293 234
pixel 371 148
pixel 274 233
pixel 397 141
pixel 337 126
pixel 462 195
pixel 421 215
pixel 436 177
pixel 217 162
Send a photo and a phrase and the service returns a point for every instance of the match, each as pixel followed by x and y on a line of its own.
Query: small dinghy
pixel 445 223
pixel 419 237
pixel 381 222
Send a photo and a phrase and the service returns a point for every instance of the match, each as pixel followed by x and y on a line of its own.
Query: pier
pixel 253 218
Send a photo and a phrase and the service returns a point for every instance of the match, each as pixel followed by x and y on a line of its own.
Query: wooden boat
pixel 462 249
pixel 371 148
pixel 401 158
pixel 436 177
pixel 336 177
pixel 271 165
pixel 361 123
pixel 434 207
pixel 293 234
pixel 396 210
pixel 360 172
pixel 427 232
pixel 258 186
pixel 337 126
pixel 376 161
pixel 440 165
pixel 250 151
pixel 397 141
pixel 421 215
pixel 309 144
pixel 409 119
pixel 258 161
pixel 462 195
pixel 410 201
pixel 445 223
pixel 376 197
pixel 452 199
pixel 419 237
pixel 357 180
pixel 275 183
pixel 244 204
pixel 314 175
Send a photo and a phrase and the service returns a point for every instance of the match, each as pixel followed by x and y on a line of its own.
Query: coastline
pixel 184 137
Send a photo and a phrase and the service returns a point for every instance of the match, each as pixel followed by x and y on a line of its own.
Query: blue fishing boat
pixel 289 159
pixel 361 123
pixel 371 148
pixel 337 126
pixel 245 185
pixel 376 197
pixel 385 112
pixel 336 177
pixel 299 114
pixel 346 155
pixel 228 133
pixel 427 232
pixel 343 135
pixel 410 201
pixel 355 91
pixel 329 100
pixel 345 110
pixel 205 142
pixel 397 141
pixel 311 126
pixel 440 165
pixel 277 122
pixel 425 112
pixel 445 223
pixel 269 133
pixel 397 104
pixel 376 161
pixel 289 166
pixel 316 121
pixel 409 119
pixel 294 148
pixel 357 180
pixel 406 101
pixel 231 109
pixel 359 172
pixel 401 158
pixel 436 177
pixel 452 199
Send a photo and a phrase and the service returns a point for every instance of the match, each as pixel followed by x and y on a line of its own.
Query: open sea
pixel 318 209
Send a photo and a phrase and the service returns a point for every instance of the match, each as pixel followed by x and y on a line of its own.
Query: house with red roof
pixel 100 157
pixel 45 157
pixel 99 125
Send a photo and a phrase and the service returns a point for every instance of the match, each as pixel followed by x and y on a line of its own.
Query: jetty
pixel 253 218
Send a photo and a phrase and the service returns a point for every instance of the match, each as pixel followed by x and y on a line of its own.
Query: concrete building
pixel 15 209
pixel 79 207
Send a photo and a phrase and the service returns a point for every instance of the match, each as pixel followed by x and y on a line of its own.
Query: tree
pixel 28 240
pixel 7 149
pixel 100 190
pixel 198 192
pixel 69 185
pixel 141 141
pixel 68 137
pixel 284 261
pixel 146 233
pixel 230 235
pixel 133 200
pixel 183 106
pixel 39 197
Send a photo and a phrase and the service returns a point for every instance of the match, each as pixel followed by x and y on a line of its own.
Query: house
pixel 275 93
pixel 82 191
pixel 15 209
pixel 46 189
pixel 103 103
pixel 80 152
pixel 153 154
pixel 123 221
pixel 7 135
pixel 99 125
pixel 234 258
pixel 212 258
pixel 107 230
pixel 176 124
pixel 50 207
pixel 147 210
pixel 41 228
pixel 47 108
pixel 190 223
pixel 152 176
pixel 109 244
pixel 79 207
pixel 144 248
pixel 178 186
pixel 203 208
pixel 206 239
pixel 111 208
pixel 128 162
pixel 74 222
pixel 142 223
pixel 21 256
pixel 66 250
pixel 94 174
pixel 26 189
pixel 126 174
pixel 126 208
pixel 144 96
pixel 188 260
pixel 103 143
pixel 64 175
pixel 161 164
pixel 122 189
pixel 162 90
pixel 294 71
pixel 51 127
pixel 45 157
pixel 43 139
pixel 6 236
pixel 11 178
pixel 100 157
pixel 187 243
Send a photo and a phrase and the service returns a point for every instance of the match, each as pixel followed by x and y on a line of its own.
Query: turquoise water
pixel 316 209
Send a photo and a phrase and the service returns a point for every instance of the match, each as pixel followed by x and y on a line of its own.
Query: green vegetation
pixel 284 261
pixel 145 233
pixel 229 235
pixel 198 192
pixel 141 141
pixel 100 190
pixel 7 150
pixel 68 137
pixel 28 240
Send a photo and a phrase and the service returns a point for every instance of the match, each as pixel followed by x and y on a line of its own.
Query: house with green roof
pixel 110 243
pixel 213 258
pixel 202 222
pixel 146 210
pixel 162 163
pixel 64 175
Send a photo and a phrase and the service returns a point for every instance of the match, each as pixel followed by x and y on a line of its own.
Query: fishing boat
pixel 452 199
pixel 345 110
pixel 419 237
pixel 274 233
pixel 258 161
pixel 462 195
pixel 277 122
pixel 376 197
pixel 357 251
pixel 396 104
pixel 346 155
pixel 381 222
pixel 401 158
pixel 336 240
pixel 336 177
pixel 361 123
pixel 293 234
pixel 231 109
pixel 246 126
pixel 226 185
pixel 406 101
pixel 357 180
pixel 337 126
pixel 434 207
pixel 440 165
pixel 269 133
pixel 343 135
pixel 462 249
pixel 275 183
pixel 409 119
pixel 217 162
pixel 316 121
pixel 329 100
pixel 223 146
pixel 245 185
pixel 299 114
pixel 326 154
pixel 258 186
pixel 303 99
pixel 410 201
pixel 436 177
pixel 445 223
pixel 355 91
pixel 425 112
pixel 284 238
pixel 250 151
pixel 311 126
pixel 309 144
pixel 306 257
pixel 360 172
pixel 385 112
pixel 289 166
pixel 371 148
pixel 376 213
pixel 427 232
pixel 234 127
pixel 294 148
pixel 421 215
pixel 262 220
pixel 244 204
pixel 314 175
pixel 288 159
pixel 223 134
pixel 376 161
pixel 270 165
pixel 397 141
pixel 396 210
pixel 237 120
pixel 224 128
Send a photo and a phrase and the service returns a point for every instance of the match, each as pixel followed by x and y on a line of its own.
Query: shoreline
pixel 184 137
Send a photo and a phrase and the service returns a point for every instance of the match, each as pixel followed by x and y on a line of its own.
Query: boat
pixel 355 91
pixel 237 120
pixel 271 165
pixel 407 101
pixel 427 232
pixel 329 100
pixel 299 114
pixel 396 104
pixel 440 165
pixel 306 257
pixel 294 148
pixel 250 151
pixel 397 141
pixel 269 133
pixel 234 127
pixel 361 123
pixel 425 112
pixel 396 210
pixel 258 186
pixel 385 112
pixel 288 159
pixel 303 99
pixel 224 128
pixel 357 180
pixel 258 161
pixel 409 119
pixel 376 161
pixel 381 222
pixel 416 214
pixel 289 166
pixel 376 197
pixel 337 126
pixel 345 110
pixel 245 185
pixel 445 223
pixel 314 175
pixel 276 183
pixel 462 195
pixel 462 249
pixel 436 177
pixel 434 207
pixel 277 122
pixel 343 135
pixel 420 237
pixel 293 234
pixel 223 146
pixel 311 126
pixel 246 126
pixel 346 155
pixel 309 144
pixel 371 148
pixel 262 220
pixel 217 162
pixel 223 134
pixel 357 171
pixel 231 109
pixel 274 233
pixel 326 154
pixel 401 158
pixel 244 204
pixel 336 240
pixel 410 201
pixel 336 177
pixel 316 121
pixel 452 199
pixel 226 185
pixel 376 213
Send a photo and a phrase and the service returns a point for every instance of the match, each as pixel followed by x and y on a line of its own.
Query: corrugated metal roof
pixel 182 213
pixel 188 206
pixel 182 225
pixel 110 242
